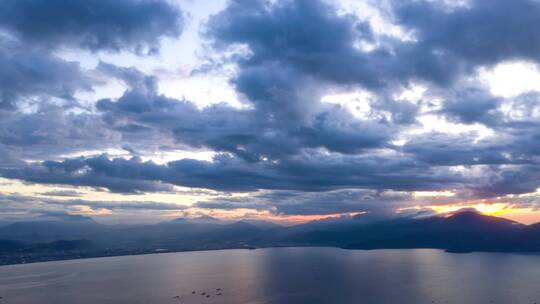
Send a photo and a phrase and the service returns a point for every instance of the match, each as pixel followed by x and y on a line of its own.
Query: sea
pixel 280 275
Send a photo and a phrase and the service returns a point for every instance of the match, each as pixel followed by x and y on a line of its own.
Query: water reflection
pixel 280 275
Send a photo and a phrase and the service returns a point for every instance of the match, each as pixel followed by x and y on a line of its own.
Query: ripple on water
pixel 22 281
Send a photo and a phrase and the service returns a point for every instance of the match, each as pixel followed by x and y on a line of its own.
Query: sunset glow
pixel 505 210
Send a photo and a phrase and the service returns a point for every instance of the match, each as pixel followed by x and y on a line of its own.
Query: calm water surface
pixel 280 275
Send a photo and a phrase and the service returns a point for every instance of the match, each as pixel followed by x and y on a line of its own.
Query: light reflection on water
pixel 280 275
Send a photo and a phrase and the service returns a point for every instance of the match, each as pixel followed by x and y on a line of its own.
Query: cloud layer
pixel 307 155
pixel 97 25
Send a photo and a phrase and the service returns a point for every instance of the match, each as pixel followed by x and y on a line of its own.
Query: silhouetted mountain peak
pixel 475 217
pixel 242 224
pixel 466 215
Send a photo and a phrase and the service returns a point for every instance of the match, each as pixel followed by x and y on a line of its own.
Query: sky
pixel 134 111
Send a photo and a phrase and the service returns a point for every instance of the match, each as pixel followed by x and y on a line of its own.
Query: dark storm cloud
pixel 512 121
pixel 473 105
pixel 510 180
pixel 112 205
pixel 134 25
pixel 309 36
pixel 478 33
pixel 505 164
pixel 441 149
pixel 57 208
pixel 50 131
pixel 315 172
pixel 25 72
pixel 251 133
pixel 9 158
pixel 94 172
pixel 61 193
pixel 452 42
pixel 33 29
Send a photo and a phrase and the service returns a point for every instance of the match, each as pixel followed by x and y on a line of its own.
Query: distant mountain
pixel 76 237
pixel 185 234
pixel 51 229
pixel 461 232
pixel 205 219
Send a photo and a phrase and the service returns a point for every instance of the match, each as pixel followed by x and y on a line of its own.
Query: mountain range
pixel 65 238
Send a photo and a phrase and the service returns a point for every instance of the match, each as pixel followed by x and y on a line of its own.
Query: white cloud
pixel 509 79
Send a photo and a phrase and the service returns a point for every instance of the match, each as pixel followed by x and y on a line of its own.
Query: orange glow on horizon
pixel 505 210
pixel 496 209
pixel 249 214
pixel 298 219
